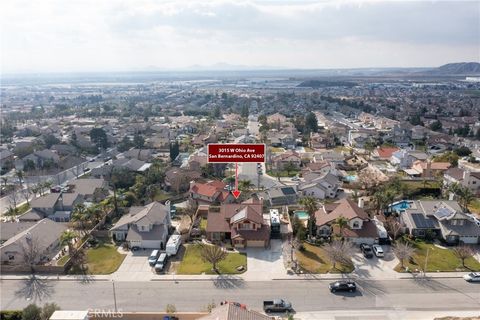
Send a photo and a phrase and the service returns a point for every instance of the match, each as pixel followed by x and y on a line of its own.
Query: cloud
pixel 79 35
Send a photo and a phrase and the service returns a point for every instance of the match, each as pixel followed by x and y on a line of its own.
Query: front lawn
pixel 314 260
pixel 192 262
pixel 283 174
pixel 104 259
pixel 474 206
pixel 438 260
pixel 162 196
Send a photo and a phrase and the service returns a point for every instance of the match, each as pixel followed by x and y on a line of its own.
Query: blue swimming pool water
pixel 400 206
pixel 302 215
pixel 351 178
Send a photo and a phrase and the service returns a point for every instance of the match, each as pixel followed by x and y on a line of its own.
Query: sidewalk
pixel 382 314
pixel 297 277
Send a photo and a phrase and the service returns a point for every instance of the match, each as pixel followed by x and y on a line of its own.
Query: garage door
pixel 151 244
pixel 255 243
pixel 469 240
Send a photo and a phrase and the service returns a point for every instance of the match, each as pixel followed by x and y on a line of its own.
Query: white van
pixel 152 259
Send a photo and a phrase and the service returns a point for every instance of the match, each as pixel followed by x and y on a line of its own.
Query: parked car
pixel 366 250
pixel 152 259
pixel 56 189
pixel 472 277
pixel 349 286
pixel 161 263
pixel 378 250
pixel 277 305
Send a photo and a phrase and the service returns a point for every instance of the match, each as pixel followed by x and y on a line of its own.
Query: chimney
pixel 361 202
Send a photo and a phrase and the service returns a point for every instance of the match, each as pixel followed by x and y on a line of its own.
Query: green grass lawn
pixel 474 206
pixel 21 209
pixel 104 259
pixel 438 260
pixel 192 262
pixel 162 196
pixel 314 260
pixel 63 260
pixel 283 174
pixel 275 149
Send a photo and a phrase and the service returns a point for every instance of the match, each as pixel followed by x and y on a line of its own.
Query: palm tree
pixel 5 181
pixel 19 175
pixel 81 215
pixel 342 224
pixel 66 240
pixel 466 197
pixel 245 185
pixel 311 205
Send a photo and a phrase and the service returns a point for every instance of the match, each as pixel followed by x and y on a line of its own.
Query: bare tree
pixel 213 254
pixel 31 252
pixel 394 227
pixel 26 193
pixel 190 210
pixel 13 198
pixel 339 252
pixel 403 251
pixel 463 253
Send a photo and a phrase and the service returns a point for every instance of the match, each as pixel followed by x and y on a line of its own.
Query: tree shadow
pixel 228 282
pixel 34 289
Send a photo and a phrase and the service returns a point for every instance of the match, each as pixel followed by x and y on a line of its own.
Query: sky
pixel 115 35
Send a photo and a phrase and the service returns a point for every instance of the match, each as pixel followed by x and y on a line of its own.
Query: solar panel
pixel 422 222
pixel 288 190
pixel 443 212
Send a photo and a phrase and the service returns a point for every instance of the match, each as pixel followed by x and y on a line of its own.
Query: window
pixel 356 225
pixel 11 257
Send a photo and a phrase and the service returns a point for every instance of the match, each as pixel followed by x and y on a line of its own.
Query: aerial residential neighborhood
pixel 226 160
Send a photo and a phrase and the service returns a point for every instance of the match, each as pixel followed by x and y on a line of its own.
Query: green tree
pixel 99 137
pixel 245 185
pixel 436 126
pixel 138 141
pixel 66 240
pixel 289 167
pixel 47 310
pixel 174 150
pixel 311 205
pixel 342 224
pixel 50 140
pixel 32 312
pixel 81 216
pixel 311 122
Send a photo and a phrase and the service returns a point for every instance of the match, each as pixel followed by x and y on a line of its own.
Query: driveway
pixel 378 268
pixel 265 264
pixel 134 267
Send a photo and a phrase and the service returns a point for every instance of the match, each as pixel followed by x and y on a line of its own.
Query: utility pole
pixel 114 296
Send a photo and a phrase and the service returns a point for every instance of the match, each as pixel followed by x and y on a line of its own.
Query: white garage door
pixel 469 240
pixel 151 244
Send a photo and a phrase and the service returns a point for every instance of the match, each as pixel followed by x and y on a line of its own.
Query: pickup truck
pixel 277 305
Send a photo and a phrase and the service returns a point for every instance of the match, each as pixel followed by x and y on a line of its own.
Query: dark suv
pixel 348 286
pixel 367 250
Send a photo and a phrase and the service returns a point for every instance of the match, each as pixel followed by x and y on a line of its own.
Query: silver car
pixel 377 249
pixel 472 277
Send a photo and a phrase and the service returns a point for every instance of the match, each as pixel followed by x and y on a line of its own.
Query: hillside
pixel 460 68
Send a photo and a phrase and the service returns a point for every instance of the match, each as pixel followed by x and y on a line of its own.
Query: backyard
pixel 193 263
pixel 439 259
pixel 314 260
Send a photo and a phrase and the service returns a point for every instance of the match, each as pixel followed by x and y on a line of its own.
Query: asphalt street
pixel 306 295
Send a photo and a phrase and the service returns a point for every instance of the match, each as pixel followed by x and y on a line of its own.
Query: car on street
pixel 277 305
pixel 472 277
pixel 378 250
pixel 366 250
pixel 343 285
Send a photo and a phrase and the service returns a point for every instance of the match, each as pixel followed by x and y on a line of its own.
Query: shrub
pixel 11 315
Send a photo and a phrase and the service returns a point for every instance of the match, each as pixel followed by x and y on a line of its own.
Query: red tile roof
pixel 386 152
pixel 345 208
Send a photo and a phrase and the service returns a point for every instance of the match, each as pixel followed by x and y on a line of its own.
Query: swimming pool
pixel 400 206
pixel 350 178
pixel 302 215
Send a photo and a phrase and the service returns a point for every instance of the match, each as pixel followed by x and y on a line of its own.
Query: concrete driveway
pixel 265 264
pixel 135 267
pixel 378 268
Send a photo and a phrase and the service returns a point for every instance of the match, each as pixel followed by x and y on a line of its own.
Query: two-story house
pixel 281 161
pixel 321 186
pixel 360 229
pixel 440 218
pixel 55 206
pixel 92 190
pixel 463 177
pixel 144 227
pixel 241 224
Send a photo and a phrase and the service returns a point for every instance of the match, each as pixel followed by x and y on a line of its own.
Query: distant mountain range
pixel 459 68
